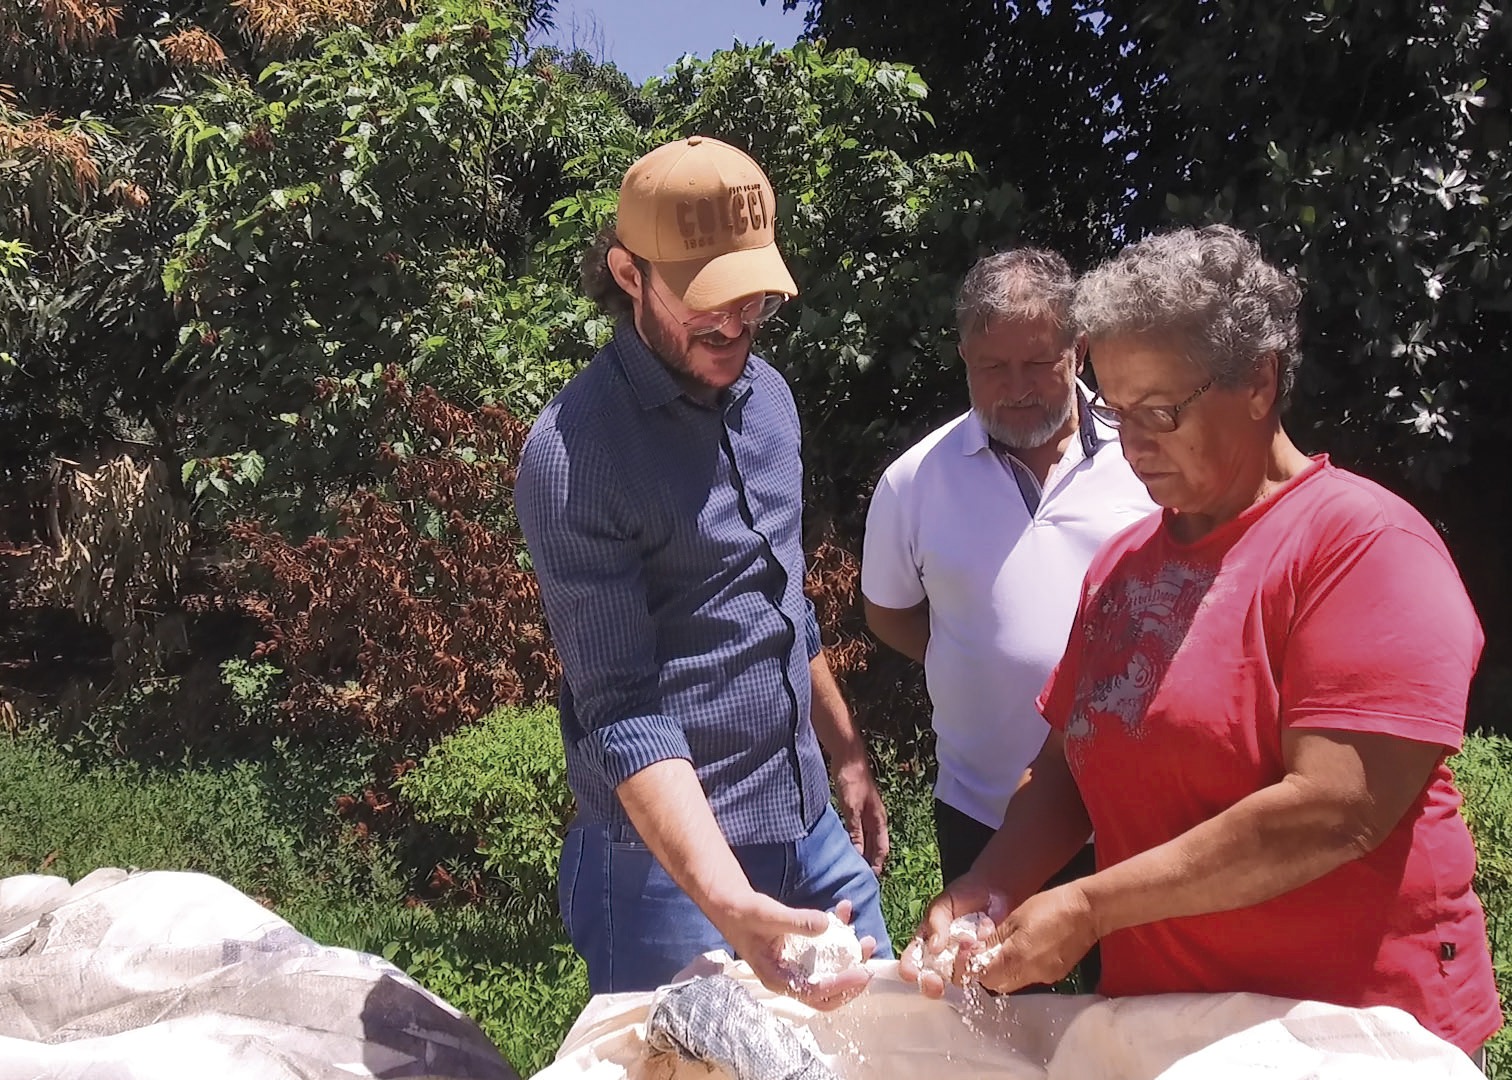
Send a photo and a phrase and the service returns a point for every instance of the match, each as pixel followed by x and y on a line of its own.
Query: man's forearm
pixel 831 717
pixel 669 810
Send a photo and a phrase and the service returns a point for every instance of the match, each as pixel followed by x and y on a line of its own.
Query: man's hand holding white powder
pixel 825 968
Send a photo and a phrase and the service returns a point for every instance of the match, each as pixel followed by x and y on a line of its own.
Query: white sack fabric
pixel 891 1032
pixel 172 976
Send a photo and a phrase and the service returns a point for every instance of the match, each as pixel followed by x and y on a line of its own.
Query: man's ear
pixel 1080 345
pixel 626 274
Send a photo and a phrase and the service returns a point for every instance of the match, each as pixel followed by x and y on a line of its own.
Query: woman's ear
pixel 1266 392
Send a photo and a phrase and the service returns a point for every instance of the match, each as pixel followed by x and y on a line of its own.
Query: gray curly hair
pixel 1025 283
pixel 1208 289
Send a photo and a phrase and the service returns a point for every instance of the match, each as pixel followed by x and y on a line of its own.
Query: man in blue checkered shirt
pixel 660 494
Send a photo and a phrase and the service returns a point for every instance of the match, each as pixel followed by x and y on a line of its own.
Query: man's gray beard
pixel 1028 436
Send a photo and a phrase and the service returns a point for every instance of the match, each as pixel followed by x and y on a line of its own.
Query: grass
pixel 913 866
pixel 265 825
pixel 523 990
pixel 1483 773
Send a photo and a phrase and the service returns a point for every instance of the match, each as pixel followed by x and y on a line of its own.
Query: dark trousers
pixel 961 839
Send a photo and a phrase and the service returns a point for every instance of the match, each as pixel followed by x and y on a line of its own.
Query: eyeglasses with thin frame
pixel 1159 419
pixel 751 314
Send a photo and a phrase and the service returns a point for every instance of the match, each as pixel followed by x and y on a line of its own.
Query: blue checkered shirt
pixel 666 537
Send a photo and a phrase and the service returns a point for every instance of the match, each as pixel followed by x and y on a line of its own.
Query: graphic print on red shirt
pixel 1141 623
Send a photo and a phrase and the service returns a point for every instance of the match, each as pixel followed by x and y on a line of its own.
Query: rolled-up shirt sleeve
pixel 811 629
pixel 581 537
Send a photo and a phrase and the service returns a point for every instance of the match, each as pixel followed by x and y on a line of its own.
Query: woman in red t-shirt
pixel 1257 699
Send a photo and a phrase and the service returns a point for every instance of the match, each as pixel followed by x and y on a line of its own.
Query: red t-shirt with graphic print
pixel 1332 605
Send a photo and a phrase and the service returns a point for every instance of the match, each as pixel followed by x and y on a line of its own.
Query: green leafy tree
pixel 372 205
pixel 86 214
pixel 83 325
pixel 1041 94
pixel 89 205
pixel 1366 145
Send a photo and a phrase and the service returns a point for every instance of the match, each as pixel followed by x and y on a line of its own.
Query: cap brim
pixel 716 283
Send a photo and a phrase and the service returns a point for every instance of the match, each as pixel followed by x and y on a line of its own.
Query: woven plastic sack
pixel 891 1032
pixel 172 976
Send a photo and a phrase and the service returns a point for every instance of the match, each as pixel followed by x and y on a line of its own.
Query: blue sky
pixel 643 37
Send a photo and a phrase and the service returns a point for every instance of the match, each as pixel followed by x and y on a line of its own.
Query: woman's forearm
pixel 1045 825
pixel 1342 798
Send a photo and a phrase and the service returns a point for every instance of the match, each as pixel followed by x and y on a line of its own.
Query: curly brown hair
pixel 598 281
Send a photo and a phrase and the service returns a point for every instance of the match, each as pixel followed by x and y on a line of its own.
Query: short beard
pixel 1029 436
pixel 664 342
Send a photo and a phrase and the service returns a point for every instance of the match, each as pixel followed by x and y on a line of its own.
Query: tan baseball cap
pixel 702 212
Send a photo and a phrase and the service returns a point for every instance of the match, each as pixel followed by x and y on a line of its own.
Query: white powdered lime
pixel 824 955
pixel 972 931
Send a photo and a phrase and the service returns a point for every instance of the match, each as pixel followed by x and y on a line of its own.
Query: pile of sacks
pixel 172 976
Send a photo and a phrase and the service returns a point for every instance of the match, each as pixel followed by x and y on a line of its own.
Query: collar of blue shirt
pixel 652 380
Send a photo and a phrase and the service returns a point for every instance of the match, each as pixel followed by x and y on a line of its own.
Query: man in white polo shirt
pixel 978 537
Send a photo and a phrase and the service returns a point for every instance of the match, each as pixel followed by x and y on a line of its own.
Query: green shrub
pixel 254 689
pixel 502 782
pixel 1483 771
pixel 212 713
pixel 266 826
pixel 126 724
pixel 912 879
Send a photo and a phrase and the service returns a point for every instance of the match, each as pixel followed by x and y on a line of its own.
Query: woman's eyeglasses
pixel 1155 418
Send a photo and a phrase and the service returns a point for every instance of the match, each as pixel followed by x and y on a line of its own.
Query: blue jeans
pixel 636 929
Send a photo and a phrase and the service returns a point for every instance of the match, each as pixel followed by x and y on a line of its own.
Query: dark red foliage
pixel 409 632
pixel 885 691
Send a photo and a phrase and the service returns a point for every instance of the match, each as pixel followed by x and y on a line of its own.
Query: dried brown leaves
pixel 66 154
pixel 78 24
pixel 130 195
pixel 886 691
pixel 123 545
pixel 282 22
pixel 407 630
pixel 194 49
